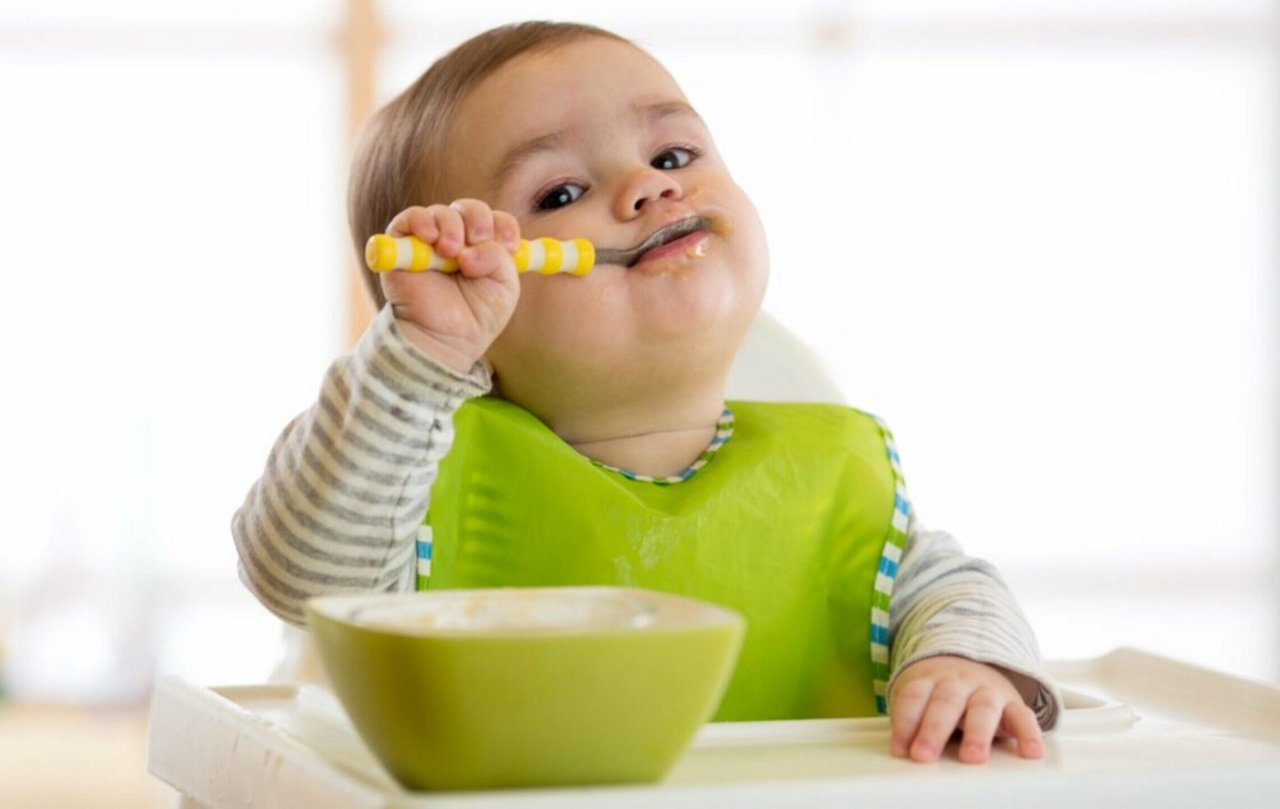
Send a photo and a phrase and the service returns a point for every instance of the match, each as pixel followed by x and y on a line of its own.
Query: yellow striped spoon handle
pixel 384 253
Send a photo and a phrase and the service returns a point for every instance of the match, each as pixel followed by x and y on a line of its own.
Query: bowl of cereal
pixel 519 687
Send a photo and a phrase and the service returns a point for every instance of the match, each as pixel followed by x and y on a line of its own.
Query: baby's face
pixel 595 139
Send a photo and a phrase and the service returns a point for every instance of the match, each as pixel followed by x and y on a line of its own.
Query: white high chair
pixel 773 365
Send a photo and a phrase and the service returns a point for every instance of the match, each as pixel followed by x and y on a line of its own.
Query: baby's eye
pixel 560 196
pixel 676 157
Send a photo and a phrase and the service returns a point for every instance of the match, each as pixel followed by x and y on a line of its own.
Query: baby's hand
pixel 934 697
pixel 454 317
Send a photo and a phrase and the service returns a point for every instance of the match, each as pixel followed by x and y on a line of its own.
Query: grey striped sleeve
pixel 946 603
pixel 339 502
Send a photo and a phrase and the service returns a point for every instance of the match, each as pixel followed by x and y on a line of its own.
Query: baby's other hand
pixel 454 317
pixel 936 696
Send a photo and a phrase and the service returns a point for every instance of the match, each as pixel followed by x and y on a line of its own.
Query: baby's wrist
pixel 439 350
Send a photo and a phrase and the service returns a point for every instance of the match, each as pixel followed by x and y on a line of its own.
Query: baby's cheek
pixel 548 313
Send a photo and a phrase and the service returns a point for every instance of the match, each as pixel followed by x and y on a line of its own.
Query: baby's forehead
pixel 558 94
pixel 591 72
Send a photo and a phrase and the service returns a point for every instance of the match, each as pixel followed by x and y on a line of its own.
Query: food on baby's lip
pixel 655 241
pixel 481 689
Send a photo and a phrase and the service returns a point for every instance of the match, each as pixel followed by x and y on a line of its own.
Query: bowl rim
pixel 676 613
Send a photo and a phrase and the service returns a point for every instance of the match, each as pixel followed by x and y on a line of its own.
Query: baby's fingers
pixel 438 225
pixel 488 259
pixel 941 718
pixel 477 219
pixel 908 709
pixel 981 720
pixel 416 221
pixel 506 230
pixel 1020 723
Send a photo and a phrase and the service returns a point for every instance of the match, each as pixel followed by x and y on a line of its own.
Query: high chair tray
pixel 1138 730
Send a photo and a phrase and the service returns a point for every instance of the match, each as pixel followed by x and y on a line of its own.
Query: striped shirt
pixel 346 486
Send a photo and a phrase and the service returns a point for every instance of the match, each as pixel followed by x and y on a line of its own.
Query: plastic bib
pixel 792 523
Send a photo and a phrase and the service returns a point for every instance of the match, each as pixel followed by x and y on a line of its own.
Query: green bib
pixel 797 522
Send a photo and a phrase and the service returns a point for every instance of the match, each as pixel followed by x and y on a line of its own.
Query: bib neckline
pixel 724 431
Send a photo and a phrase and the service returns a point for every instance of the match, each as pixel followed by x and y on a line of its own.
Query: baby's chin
pixel 641 362
pixel 680 302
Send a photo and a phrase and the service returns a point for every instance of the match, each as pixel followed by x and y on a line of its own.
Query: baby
pixel 496 429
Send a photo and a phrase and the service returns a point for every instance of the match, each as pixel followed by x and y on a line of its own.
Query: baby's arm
pixel 346 486
pixel 963 656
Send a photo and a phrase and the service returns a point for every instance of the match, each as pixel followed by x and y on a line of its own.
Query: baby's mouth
pixel 661 236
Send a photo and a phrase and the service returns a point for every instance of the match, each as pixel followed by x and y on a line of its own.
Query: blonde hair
pixel 397 160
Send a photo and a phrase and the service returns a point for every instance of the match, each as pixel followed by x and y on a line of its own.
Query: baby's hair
pixel 397 160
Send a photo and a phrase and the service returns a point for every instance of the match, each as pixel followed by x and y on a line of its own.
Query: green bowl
pixel 481 689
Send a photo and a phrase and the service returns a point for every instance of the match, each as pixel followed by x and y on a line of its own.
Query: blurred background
pixel 1039 237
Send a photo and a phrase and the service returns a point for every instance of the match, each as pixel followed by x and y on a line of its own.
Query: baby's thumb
pixel 486 259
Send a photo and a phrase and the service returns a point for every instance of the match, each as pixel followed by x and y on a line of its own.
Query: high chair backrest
pixel 773 366
pixel 776 366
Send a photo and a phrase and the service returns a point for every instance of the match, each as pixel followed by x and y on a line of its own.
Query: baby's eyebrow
pixel 665 109
pixel 549 142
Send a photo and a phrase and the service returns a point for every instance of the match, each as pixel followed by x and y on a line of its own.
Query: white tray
pixel 1138 730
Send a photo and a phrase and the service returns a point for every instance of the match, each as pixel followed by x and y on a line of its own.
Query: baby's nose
pixel 645 188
